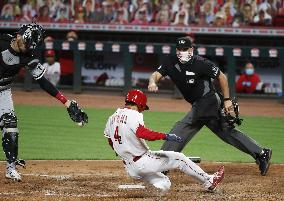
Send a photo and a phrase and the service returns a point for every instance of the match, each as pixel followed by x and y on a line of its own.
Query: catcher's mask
pixel 32 35
pixel 137 97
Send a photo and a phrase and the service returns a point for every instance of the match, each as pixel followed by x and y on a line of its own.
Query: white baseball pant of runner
pixel 149 167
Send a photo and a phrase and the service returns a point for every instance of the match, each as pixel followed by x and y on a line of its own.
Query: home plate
pixel 131 186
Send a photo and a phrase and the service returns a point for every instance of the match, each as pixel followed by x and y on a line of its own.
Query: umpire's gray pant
pixel 186 129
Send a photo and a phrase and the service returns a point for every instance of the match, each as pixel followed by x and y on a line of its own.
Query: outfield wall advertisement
pixel 104 69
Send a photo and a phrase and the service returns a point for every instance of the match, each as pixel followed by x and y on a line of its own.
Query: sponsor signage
pixel 49 45
pixel 273 53
pixel 201 51
pixel 132 48
pixel 115 48
pixel 237 52
pixel 149 49
pixel 219 51
pixel 82 46
pixel 65 46
pixel 99 46
pixel 254 52
pixel 166 49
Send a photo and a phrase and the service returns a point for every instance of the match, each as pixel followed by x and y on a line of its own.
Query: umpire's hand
pixel 153 87
pixel 228 106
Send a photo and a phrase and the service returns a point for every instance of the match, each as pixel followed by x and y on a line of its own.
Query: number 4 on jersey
pixel 117 137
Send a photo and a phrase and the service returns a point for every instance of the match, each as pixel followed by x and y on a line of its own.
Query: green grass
pixel 48 133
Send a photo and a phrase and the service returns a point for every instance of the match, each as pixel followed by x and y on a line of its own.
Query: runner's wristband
pixel 226 99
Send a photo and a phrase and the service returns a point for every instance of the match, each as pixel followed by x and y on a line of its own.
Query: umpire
pixel 194 76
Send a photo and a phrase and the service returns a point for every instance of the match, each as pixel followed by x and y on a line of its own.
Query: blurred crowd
pixel 144 12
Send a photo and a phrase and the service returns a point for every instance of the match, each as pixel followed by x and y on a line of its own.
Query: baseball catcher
pixel 127 133
pixel 194 75
pixel 16 52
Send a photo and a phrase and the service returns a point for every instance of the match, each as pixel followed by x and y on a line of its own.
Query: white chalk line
pixel 12 193
pixel 202 161
pixel 56 176
pixel 53 193
pixel 65 176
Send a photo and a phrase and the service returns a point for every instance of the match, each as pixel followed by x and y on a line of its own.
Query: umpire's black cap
pixel 183 43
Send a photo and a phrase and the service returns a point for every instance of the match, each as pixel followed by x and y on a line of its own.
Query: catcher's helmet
pixel 137 97
pixel 32 35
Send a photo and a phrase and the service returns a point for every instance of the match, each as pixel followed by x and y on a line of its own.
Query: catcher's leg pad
pixel 10 136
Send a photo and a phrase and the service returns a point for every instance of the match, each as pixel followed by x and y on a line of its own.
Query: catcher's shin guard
pixel 10 136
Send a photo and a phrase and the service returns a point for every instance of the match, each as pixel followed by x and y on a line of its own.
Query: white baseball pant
pixel 151 164
pixel 6 102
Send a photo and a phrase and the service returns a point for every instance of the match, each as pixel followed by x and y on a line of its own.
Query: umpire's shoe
pixel 12 173
pixel 263 161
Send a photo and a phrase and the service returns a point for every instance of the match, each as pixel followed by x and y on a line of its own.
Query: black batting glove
pixel 173 137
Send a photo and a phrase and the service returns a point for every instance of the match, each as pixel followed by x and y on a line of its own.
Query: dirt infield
pixel 248 107
pixel 99 180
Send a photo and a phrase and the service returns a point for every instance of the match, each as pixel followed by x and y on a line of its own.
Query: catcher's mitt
pixel 77 114
pixel 234 118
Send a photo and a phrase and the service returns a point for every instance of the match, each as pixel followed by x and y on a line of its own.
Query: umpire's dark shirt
pixel 193 79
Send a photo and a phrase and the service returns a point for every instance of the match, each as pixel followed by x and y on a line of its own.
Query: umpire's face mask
pixel 184 55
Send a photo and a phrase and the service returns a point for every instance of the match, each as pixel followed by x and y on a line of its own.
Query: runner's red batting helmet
pixel 137 97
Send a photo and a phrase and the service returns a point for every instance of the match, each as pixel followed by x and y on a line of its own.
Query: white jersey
pixel 52 69
pixel 121 129
pixel 52 72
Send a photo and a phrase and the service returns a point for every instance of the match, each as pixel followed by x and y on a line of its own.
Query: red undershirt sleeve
pixel 147 134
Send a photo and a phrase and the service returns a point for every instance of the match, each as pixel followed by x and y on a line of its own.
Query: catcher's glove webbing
pixel 233 119
pixel 77 114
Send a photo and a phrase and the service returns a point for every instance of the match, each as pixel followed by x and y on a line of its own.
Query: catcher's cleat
pixel 264 161
pixel 216 178
pixel 12 173
pixel 21 163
